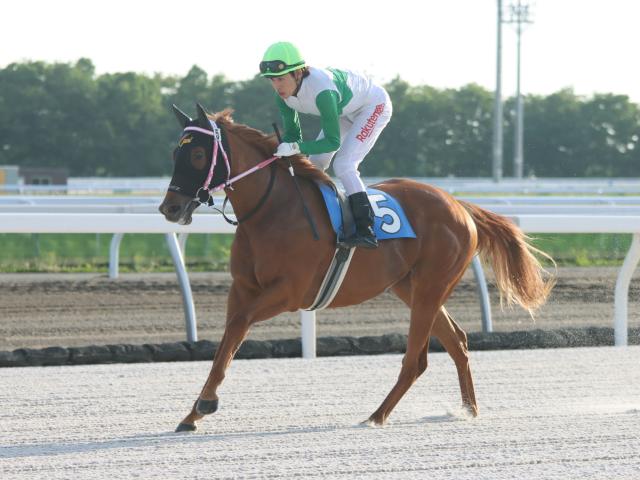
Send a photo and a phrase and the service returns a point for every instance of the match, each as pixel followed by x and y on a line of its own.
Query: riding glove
pixel 287 149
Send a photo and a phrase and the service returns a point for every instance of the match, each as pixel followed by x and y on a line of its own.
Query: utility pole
pixel 497 105
pixel 519 15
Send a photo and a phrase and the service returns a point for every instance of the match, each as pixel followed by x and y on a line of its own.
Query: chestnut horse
pixel 278 266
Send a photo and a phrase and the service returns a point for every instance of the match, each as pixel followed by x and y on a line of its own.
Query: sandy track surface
pixel 544 414
pixel 40 310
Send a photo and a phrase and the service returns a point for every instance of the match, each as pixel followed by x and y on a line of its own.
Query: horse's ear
pixel 183 118
pixel 203 118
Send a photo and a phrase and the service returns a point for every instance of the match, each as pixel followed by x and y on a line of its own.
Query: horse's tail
pixel 519 275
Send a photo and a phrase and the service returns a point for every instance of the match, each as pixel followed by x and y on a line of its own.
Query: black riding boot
pixel 363 218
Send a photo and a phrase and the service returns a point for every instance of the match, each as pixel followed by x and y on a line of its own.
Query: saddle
pixel 390 222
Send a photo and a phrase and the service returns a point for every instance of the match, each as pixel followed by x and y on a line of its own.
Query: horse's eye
pixel 198 159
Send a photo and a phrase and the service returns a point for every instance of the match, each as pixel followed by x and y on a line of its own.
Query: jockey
pixel 353 112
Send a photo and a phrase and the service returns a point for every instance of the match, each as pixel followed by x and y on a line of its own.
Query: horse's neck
pixel 249 191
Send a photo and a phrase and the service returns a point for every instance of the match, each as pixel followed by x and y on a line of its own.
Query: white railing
pixel 550 220
pixel 557 186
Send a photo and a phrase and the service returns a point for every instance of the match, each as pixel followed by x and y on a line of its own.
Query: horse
pixel 277 265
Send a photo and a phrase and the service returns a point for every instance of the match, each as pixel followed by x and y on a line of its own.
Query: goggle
pixel 276 66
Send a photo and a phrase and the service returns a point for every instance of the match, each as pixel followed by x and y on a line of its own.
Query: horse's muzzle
pixel 177 213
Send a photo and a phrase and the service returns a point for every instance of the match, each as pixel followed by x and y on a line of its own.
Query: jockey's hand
pixel 287 149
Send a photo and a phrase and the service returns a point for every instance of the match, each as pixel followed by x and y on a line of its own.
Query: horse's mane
pixel 267 144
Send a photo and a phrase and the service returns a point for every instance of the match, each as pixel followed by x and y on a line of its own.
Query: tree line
pixel 121 124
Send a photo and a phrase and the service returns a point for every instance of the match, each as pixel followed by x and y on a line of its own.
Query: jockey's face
pixel 286 84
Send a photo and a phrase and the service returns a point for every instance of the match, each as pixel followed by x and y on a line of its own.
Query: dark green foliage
pixel 121 124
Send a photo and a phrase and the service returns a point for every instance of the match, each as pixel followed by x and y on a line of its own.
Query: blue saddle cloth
pixel 390 220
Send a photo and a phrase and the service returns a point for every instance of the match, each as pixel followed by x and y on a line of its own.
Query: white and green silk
pixel 353 112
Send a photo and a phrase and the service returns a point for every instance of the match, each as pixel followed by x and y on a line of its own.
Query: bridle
pixel 216 133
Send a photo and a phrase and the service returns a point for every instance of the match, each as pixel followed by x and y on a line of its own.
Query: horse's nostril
pixel 169 209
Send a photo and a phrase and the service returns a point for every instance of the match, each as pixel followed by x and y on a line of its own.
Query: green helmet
pixel 280 58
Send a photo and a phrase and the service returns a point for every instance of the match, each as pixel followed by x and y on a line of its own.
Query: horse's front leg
pixel 235 332
pixel 245 307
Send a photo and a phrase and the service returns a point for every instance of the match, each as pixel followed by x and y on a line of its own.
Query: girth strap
pixel 333 278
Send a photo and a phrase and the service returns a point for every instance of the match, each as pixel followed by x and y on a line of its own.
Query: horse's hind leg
pixel 454 341
pixel 425 299
pixel 414 363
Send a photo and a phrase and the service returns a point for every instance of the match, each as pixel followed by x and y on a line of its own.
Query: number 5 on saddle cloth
pixel 390 222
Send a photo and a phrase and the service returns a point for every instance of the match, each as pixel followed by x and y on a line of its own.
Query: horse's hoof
pixel 206 407
pixel 186 427
pixel 472 410
pixel 374 421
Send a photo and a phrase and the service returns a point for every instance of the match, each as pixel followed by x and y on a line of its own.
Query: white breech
pixel 358 133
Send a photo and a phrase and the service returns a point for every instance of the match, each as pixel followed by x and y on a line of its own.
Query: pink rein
pixel 217 143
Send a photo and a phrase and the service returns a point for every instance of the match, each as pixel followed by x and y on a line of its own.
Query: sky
pixel 590 46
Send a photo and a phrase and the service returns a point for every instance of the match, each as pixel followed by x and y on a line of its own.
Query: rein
pixel 263 199
pixel 216 133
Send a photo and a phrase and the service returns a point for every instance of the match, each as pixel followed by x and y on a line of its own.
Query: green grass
pixel 210 252
pixel 584 249
pixel 90 252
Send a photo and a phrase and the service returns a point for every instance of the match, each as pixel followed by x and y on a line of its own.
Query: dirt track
pixel 40 310
pixel 292 418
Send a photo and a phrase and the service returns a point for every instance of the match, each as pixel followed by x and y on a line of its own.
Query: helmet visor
pixel 277 67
